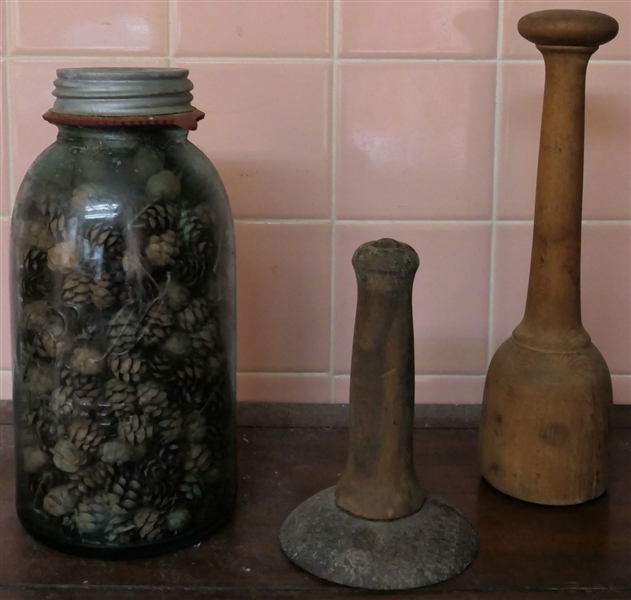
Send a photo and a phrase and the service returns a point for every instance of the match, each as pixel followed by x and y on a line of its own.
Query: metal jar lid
pixel 122 91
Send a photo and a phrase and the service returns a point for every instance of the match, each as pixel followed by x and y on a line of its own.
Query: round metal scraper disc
pixel 434 544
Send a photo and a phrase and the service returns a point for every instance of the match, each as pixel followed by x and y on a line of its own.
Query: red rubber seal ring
pixel 186 120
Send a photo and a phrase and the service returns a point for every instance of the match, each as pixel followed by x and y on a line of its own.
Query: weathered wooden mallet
pixel 377 528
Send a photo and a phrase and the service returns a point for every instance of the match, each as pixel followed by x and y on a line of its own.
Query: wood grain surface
pixel 528 552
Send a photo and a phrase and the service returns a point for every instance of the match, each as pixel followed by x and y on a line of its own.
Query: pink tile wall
pixel 333 122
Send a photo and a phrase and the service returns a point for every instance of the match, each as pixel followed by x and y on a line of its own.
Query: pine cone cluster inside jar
pixel 124 322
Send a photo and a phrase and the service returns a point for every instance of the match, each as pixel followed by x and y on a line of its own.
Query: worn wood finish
pixel 528 551
pixel 547 398
pixel 379 480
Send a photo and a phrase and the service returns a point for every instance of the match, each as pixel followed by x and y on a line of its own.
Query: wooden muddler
pixel 544 427
pixel 379 481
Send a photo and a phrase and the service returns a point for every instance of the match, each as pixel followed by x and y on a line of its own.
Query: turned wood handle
pixel 379 481
pixel 568 28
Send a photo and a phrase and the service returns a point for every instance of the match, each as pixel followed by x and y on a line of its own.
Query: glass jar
pixel 123 316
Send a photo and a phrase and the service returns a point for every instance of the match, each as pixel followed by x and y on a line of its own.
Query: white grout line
pixel 496 153
pixel 170 31
pixel 8 99
pixel 335 8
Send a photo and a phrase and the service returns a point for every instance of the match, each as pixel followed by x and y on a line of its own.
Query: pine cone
pixel 175 294
pixel 123 331
pixel 198 458
pixel 206 338
pixel 106 241
pixel 119 398
pixel 170 455
pixel 162 366
pixel 161 249
pixel 157 323
pixel 177 344
pixel 192 234
pixel 149 523
pixel 190 269
pixel 164 185
pixel 37 234
pixel 105 290
pixel 73 402
pixel 170 425
pixel 35 262
pixel 62 258
pixel 93 514
pixel 147 162
pixel 126 490
pixel 84 434
pixel 157 218
pixel 128 367
pixel 68 457
pixel 34 459
pixel 177 519
pixel 86 360
pixel 76 288
pixel 119 528
pixel 45 427
pixel 152 399
pixel 194 315
pixel 98 476
pixel 55 338
pixel 192 487
pixel 35 315
pixel 196 427
pixel 135 429
pixel 116 452
pixel 86 194
pixel 39 379
pixel 57 226
pixel 40 483
pixel 60 500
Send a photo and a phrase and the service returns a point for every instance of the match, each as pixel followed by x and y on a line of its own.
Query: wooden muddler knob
pixel 379 481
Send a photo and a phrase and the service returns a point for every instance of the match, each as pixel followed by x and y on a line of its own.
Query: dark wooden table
pixel 527 552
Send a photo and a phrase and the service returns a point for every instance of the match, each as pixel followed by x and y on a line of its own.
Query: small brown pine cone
pixel 124 331
pixel 161 249
pixel 35 315
pixel 85 194
pixel 35 262
pixel 119 396
pixel 157 323
pixel 45 426
pixel 195 427
pixel 37 234
pixel 176 295
pixel 148 523
pixel 177 519
pixel 92 514
pixel 105 290
pixel 128 367
pixel 190 270
pixel 170 425
pixel 116 452
pixel 62 258
pixel 67 457
pixel 60 500
pixel 198 458
pixel 193 235
pixel 76 288
pixel 41 482
pixel 85 434
pixel 170 455
pixel 152 399
pixel 119 528
pixel 39 379
pixel 161 495
pixel 106 241
pixel 57 226
pixel 86 360
pixel 206 339
pixel 194 315
pixel 70 402
pixel 55 338
pixel 98 476
pixel 157 218
pixel 177 344
pixel 162 366
pixel 164 185
pixel 135 429
pixel 126 490
pixel 192 487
